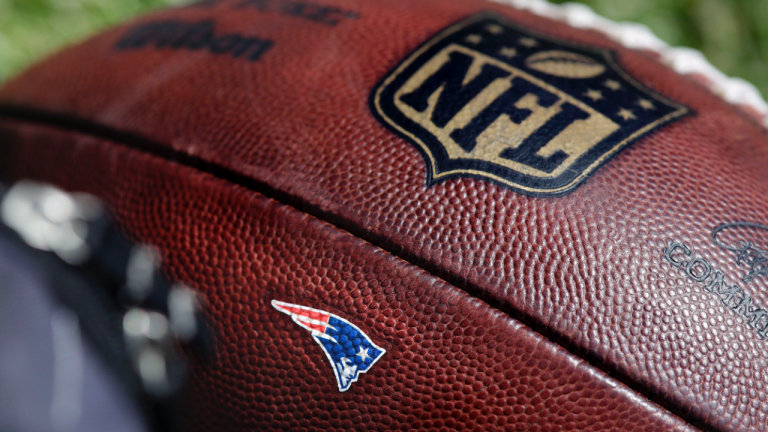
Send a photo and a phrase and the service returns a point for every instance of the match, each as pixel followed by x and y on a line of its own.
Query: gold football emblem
pixel 490 99
pixel 565 64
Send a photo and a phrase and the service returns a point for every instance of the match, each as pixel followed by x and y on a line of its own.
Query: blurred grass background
pixel 733 34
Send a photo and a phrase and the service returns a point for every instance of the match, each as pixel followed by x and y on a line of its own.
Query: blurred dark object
pixel 90 332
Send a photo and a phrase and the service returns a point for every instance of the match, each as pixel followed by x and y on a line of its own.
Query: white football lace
pixel 685 61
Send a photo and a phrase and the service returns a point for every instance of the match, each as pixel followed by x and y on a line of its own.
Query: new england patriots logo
pixel 350 351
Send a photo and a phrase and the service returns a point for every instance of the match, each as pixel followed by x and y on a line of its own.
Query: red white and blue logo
pixel 350 351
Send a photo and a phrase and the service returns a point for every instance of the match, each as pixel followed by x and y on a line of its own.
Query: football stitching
pixel 685 61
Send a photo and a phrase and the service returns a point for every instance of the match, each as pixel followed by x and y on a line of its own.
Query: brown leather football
pixel 427 214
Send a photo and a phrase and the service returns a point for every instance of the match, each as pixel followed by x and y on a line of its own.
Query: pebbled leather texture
pixel 452 362
pixel 587 270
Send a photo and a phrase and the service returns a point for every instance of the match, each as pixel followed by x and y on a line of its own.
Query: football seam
pixel 140 143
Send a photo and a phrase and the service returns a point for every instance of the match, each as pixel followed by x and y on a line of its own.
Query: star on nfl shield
pixel 350 351
pixel 490 99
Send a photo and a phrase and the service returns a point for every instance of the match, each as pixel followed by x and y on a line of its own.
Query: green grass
pixel 30 29
pixel 733 34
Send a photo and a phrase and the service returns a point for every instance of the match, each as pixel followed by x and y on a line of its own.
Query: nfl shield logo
pixel 491 100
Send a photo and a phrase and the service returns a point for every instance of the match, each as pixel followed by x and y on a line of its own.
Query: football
pixel 432 214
